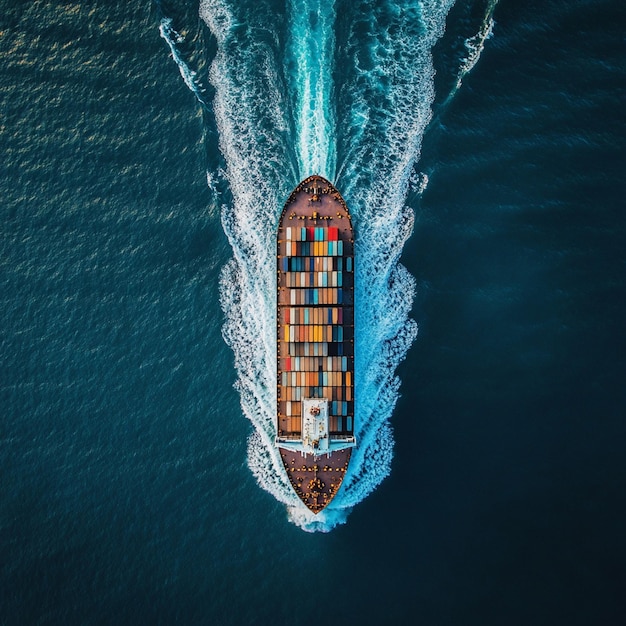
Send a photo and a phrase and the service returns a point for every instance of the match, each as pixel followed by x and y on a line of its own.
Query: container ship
pixel 315 348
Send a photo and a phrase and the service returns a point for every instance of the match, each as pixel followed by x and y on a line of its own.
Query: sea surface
pixel 148 148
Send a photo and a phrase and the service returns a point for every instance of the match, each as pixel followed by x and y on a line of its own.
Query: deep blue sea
pixel 148 148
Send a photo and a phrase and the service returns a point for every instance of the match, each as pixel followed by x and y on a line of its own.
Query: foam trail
pixel 474 46
pixel 189 76
pixel 281 120
pixel 310 63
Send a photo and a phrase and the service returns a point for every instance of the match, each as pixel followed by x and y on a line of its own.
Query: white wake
pixel 277 124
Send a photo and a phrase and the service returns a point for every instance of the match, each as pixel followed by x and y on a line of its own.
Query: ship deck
pixel 315 336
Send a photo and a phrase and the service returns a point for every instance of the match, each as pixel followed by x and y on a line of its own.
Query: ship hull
pixel 315 341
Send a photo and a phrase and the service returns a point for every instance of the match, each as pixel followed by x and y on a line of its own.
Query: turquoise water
pixel 485 174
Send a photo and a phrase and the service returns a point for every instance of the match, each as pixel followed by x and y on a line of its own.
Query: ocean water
pixel 148 150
